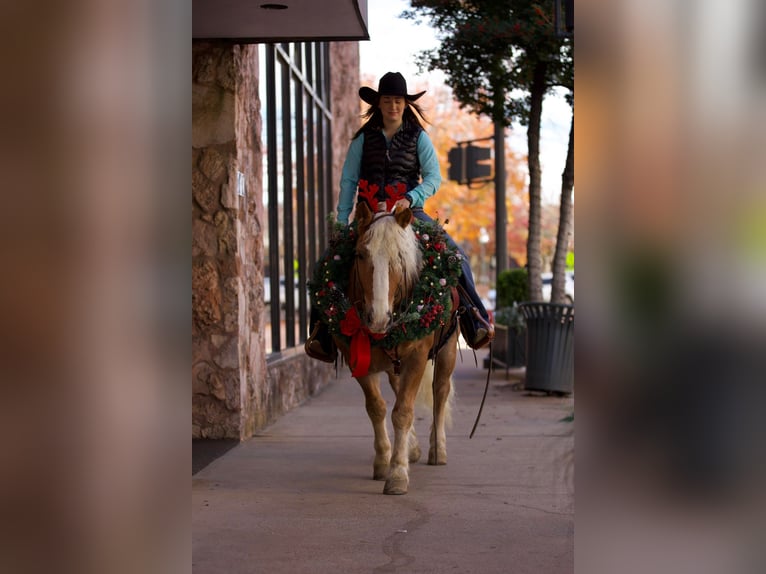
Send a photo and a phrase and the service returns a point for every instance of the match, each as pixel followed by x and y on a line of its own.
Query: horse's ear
pixel 403 216
pixel 363 215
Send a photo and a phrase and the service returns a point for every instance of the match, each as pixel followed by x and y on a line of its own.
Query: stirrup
pixel 482 335
pixel 314 349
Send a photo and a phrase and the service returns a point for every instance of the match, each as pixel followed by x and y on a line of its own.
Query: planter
pixel 550 347
pixel 509 347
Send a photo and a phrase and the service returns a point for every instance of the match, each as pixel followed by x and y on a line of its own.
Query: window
pixel 297 122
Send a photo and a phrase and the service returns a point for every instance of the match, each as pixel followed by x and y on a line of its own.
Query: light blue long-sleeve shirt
pixel 429 169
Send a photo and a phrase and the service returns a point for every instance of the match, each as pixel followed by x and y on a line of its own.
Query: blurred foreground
pixel 671 248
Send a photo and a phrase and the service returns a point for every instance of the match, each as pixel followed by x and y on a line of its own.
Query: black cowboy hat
pixel 391 84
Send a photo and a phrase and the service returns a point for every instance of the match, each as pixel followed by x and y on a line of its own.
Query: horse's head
pixel 388 261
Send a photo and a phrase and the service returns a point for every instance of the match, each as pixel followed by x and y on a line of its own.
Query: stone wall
pixel 235 391
pixel 346 108
pixel 227 245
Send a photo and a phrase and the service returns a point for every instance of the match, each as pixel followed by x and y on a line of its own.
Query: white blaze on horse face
pixel 380 311
pixel 393 254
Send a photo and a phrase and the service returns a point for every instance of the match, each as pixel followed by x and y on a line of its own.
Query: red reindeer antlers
pixel 368 192
pixel 393 193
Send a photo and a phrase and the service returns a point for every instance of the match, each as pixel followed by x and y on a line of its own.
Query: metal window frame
pixel 303 72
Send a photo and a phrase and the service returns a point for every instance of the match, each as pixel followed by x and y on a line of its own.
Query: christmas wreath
pixel 429 307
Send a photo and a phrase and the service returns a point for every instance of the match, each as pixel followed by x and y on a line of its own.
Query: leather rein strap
pixel 478 317
pixel 484 396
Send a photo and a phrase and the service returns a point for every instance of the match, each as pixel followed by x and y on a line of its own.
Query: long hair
pixel 374 117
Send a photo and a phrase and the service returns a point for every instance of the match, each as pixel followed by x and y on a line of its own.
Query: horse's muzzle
pixel 381 326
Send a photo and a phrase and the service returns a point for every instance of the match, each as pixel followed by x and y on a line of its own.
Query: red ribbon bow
pixel 360 352
pixel 359 359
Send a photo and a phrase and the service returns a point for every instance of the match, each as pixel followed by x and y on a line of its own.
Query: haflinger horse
pixel 387 265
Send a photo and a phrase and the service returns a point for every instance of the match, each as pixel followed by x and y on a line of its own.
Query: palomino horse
pixel 388 262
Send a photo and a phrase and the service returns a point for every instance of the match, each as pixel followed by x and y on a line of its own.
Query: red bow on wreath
pixel 360 351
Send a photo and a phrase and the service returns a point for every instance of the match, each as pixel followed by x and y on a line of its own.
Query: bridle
pixel 400 298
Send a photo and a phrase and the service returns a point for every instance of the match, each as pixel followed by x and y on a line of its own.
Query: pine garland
pixel 431 300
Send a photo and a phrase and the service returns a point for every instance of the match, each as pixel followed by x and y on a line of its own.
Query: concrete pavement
pixel 299 497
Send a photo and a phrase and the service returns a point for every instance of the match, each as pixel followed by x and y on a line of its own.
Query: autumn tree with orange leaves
pixel 500 58
pixel 466 210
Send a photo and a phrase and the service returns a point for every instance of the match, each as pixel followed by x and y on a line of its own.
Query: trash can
pixel 550 347
pixel 509 347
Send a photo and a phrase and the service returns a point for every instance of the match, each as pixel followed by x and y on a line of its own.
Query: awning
pixel 249 21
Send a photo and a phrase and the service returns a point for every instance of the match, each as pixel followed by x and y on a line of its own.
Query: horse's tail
pixel 425 398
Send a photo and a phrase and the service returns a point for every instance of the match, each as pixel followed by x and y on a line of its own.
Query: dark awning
pixel 249 21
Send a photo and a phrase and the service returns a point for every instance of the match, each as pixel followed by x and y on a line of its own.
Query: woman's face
pixel 392 108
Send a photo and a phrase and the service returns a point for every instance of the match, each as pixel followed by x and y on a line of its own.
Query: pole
pixel 501 244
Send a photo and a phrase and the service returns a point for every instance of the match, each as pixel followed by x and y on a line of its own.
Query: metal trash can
pixel 509 347
pixel 550 347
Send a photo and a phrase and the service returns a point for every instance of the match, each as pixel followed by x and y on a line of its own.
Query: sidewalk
pixel 299 497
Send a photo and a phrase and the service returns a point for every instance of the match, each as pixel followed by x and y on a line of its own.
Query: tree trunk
pixel 534 259
pixel 558 289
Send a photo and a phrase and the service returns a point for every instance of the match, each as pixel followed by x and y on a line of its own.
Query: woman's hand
pixel 403 203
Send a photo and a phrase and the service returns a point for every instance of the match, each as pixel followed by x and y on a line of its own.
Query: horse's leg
pixel 402 418
pixel 412 438
pixel 413 445
pixel 376 410
pixel 445 364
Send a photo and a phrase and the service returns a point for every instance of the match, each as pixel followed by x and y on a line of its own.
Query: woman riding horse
pixel 394 313
pixel 391 151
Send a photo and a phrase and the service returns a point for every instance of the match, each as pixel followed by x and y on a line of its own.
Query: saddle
pixel 446 331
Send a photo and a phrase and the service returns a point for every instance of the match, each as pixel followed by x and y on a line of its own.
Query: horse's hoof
pixel 396 486
pixel 437 460
pixel 414 455
pixel 380 467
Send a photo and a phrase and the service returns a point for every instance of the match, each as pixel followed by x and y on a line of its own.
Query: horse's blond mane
pixel 386 238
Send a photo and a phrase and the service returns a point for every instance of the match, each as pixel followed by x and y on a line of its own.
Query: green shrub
pixel 511 317
pixel 512 287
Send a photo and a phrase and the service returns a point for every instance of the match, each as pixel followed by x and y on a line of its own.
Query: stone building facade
pixel 239 382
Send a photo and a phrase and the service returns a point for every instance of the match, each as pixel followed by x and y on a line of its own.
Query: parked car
pixel 568 286
pixel 491 300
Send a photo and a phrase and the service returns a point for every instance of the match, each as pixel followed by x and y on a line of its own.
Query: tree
pixel 500 58
pixel 558 293
pixel 468 212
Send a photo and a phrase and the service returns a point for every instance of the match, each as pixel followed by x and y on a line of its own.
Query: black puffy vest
pixel 397 164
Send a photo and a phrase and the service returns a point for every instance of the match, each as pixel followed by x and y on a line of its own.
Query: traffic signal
pixel 474 168
pixel 466 163
pixel 455 157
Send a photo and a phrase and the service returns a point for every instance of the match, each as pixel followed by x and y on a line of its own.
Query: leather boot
pixel 320 344
pixel 476 331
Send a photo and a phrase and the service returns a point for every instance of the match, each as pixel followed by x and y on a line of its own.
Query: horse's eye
pixel 361 255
